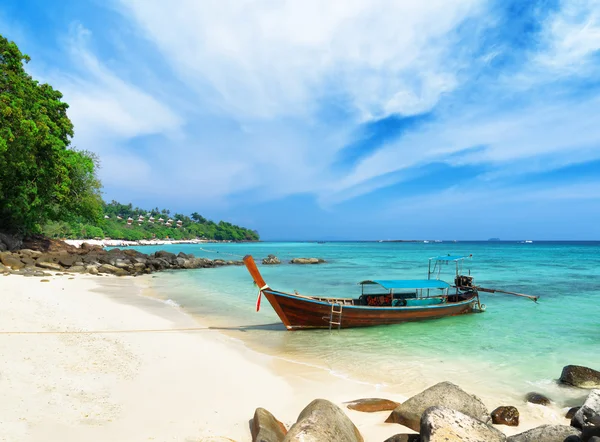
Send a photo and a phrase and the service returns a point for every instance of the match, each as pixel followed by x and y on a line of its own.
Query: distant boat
pixel 438 240
pixel 426 242
pixel 528 241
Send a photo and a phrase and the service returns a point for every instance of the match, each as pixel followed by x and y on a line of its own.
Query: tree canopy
pixel 41 178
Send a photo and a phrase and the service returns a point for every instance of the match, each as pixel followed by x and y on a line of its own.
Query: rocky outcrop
pixel 307 261
pixel 57 256
pixel 442 424
pixel 444 394
pixel 372 405
pixel 546 433
pixel 9 242
pixel 587 418
pixel 271 260
pixel 265 428
pixel 537 398
pixel 506 416
pixel 579 376
pixel 322 421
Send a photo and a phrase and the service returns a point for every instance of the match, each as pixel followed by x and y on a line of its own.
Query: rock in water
pixel 323 421
pixel 578 376
pixel 442 424
pixel 571 412
pixel 270 260
pixel 372 405
pixel 588 415
pixel 537 398
pixel 506 416
pixel 546 433
pixel 307 261
pixel 444 394
pixel 265 428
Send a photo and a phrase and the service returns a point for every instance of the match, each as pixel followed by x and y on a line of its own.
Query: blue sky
pixel 363 119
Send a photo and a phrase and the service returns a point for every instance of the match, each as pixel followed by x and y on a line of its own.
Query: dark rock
pixel 77 269
pixel 271 260
pixel 323 421
pixel 372 405
pixel 44 280
pixel 404 438
pixel 537 398
pixel 10 242
pixel 67 260
pixel 133 253
pixel 444 394
pixel 571 412
pixel 546 433
pixel 115 251
pixel 165 255
pixel 92 270
pixel 588 416
pixel 441 424
pixel 579 376
pixel 185 256
pixel 49 266
pixel 506 416
pixel 86 248
pixel 27 260
pixel 265 428
pixel 11 261
pixel 594 439
pixel 307 261
pixel 47 257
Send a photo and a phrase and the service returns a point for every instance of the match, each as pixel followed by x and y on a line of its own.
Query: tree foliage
pixel 114 225
pixel 41 178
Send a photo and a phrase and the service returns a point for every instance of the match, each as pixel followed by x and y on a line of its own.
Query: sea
pixel 516 346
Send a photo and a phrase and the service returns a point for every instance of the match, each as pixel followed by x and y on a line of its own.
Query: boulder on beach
pixel 546 433
pixel 445 394
pixel 49 266
pixel 372 405
pixel 11 261
pixel 506 416
pixel 579 376
pixel 588 416
pixel 442 424
pixel 265 428
pixel 537 398
pixel 271 260
pixel 404 438
pixel 307 261
pixel 322 421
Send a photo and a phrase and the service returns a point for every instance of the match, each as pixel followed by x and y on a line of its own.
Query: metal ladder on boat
pixel 335 317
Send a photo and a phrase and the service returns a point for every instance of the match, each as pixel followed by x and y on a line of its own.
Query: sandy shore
pixel 141 242
pixel 59 382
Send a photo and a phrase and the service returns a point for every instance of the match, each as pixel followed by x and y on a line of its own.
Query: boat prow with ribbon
pixel 380 302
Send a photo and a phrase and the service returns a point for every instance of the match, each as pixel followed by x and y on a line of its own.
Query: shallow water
pixel 516 346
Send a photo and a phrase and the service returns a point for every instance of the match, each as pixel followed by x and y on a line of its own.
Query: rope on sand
pixel 90 332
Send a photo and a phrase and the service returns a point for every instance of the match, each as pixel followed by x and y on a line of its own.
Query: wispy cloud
pixel 239 102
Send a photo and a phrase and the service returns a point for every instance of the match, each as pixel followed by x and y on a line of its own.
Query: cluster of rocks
pixel 443 412
pixel 272 260
pixel 94 260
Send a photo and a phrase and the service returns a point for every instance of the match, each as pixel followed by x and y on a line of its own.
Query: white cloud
pixel 265 59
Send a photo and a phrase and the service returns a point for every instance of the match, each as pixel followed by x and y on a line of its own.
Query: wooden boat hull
pixel 299 312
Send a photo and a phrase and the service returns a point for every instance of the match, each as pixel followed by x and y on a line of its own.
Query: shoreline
pixel 142 242
pixel 134 386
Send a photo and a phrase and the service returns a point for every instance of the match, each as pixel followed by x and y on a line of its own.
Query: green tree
pixel 41 179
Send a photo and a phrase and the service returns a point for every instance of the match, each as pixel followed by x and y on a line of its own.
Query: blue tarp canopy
pixel 448 258
pixel 390 284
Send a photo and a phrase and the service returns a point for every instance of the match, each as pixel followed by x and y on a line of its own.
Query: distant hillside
pixel 123 221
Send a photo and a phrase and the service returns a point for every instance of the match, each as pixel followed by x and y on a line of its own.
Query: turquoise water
pixel 516 346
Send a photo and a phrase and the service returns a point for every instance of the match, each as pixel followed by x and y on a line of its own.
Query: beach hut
pixel 106 217
pixel 119 217
pixel 179 223
pixel 151 219
pixel 168 224
pixel 129 221
pixel 160 220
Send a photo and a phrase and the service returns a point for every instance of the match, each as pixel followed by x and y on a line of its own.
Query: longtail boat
pixel 380 302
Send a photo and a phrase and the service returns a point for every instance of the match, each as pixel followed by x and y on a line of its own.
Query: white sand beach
pixel 62 380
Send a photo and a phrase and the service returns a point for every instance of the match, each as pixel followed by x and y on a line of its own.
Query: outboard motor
pixel 463 281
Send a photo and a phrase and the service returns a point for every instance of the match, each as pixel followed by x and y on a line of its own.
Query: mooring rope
pixel 97 332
